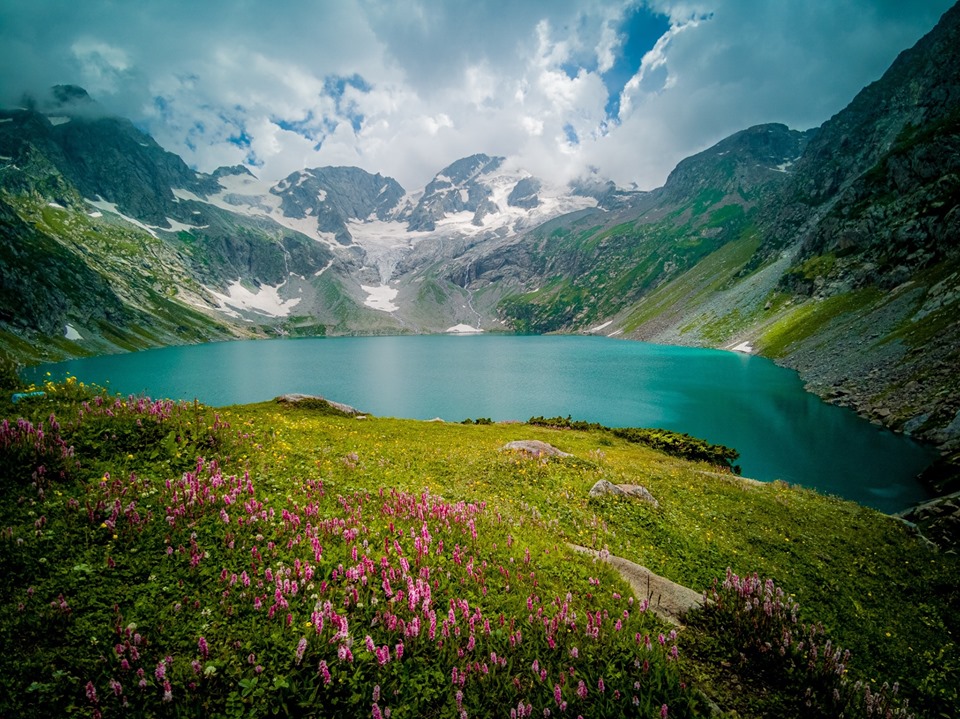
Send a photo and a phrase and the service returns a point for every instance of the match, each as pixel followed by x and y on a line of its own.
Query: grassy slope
pixel 878 591
pixel 145 273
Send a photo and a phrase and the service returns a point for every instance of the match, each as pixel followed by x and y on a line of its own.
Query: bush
pixel 673 443
pixel 757 628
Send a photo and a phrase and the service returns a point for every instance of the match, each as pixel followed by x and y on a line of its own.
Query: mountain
pixel 832 251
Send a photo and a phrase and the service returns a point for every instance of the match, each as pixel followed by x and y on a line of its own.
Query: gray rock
pixel 534 448
pixel 640 492
pixel 296 398
pixel 603 487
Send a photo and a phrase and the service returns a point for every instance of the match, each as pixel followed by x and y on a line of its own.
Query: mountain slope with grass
pixel 833 251
pixel 171 559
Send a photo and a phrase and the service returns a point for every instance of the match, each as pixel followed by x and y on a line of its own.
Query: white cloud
pixel 218 83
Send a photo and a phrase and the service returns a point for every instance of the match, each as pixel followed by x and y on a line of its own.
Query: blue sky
pixel 404 87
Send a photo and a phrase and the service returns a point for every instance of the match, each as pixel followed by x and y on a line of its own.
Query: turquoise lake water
pixel 781 431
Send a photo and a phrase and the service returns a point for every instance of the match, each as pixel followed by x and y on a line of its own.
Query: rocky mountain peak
pixel 234 170
pixel 336 195
pixel 459 187
pixel 740 162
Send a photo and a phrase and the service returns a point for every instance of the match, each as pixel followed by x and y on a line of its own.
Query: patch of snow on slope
pixel 554 201
pixel 323 269
pixel 111 207
pixel 71 333
pixel 384 242
pixel 463 329
pixel 380 297
pixel 266 301
pixel 58 119
pixel 180 227
pixel 601 327
pixel 250 196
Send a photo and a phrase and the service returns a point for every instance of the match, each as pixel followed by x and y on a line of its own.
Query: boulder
pixel 534 448
pixel 308 400
pixel 603 487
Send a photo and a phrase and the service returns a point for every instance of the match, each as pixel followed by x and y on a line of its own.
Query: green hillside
pixel 177 560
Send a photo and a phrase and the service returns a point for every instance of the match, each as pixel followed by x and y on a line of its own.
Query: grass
pixel 809 318
pixel 696 284
pixel 139 538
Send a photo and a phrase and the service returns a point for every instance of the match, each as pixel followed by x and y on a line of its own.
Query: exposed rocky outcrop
pixel 603 488
pixel 938 521
pixel 667 599
pixel 534 448
pixel 336 195
pixel 456 188
pixel 309 401
pixel 101 156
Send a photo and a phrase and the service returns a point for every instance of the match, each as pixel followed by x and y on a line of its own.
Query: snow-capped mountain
pixel 373 225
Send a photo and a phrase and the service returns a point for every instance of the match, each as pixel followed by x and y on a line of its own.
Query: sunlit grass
pixel 140 532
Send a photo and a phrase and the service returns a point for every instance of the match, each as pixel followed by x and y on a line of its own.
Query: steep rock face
pixel 456 188
pixel 44 284
pixel 524 194
pixel 335 195
pixel 879 183
pixel 102 156
pixel 757 157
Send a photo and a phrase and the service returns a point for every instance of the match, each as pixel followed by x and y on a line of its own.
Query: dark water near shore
pixel 748 403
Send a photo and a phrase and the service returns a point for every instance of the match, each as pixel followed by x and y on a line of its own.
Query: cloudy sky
pixel 625 88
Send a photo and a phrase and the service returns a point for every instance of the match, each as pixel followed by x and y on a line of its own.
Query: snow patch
pixel 380 297
pixel 463 329
pixel 56 205
pixel 111 207
pixel 323 269
pixel 615 333
pixel 744 347
pixel 384 242
pixel 265 301
pixel 58 119
pixel 182 194
pixel 601 327
pixel 71 333
pixel 180 227
pixel 6 119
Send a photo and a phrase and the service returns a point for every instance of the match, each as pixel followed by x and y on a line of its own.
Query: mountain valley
pixel 833 251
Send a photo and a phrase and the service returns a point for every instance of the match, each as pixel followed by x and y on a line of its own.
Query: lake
pixel 745 402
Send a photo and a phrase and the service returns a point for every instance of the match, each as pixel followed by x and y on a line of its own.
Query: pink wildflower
pixel 324 672
pixel 663 712
pixel 91 693
pixel 582 690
